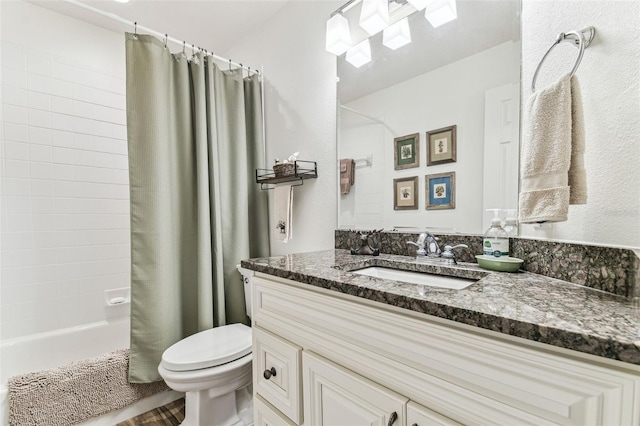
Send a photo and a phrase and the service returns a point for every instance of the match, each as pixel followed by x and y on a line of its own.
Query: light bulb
pixel 440 12
pixel 397 35
pixel 359 54
pixel 338 35
pixel 374 15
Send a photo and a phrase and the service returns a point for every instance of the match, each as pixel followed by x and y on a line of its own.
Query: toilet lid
pixel 208 348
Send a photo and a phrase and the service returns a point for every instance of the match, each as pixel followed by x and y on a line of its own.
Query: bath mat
pixel 75 392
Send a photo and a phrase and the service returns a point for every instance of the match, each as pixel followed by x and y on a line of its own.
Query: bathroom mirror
pixel 465 73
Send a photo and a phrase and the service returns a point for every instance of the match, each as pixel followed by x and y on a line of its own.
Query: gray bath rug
pixel 75 392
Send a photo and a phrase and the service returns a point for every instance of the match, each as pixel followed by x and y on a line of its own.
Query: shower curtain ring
pixel 184 47
pixel 135 30
pixel 229 64
pixel 166 37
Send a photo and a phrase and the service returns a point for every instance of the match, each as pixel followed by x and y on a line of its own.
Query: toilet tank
pixel 246 280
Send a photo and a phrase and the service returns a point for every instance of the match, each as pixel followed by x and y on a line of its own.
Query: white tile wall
pixel 65 195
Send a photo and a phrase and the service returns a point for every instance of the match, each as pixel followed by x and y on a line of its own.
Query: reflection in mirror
pixel 466 74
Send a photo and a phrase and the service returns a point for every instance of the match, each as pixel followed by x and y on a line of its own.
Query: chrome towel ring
pixel 581 39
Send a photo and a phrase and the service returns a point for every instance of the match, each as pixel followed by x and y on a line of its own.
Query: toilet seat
pixel 208 348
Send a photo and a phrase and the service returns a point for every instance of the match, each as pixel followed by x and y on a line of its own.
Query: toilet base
pixel 206 408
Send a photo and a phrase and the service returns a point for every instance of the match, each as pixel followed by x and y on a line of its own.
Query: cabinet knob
pixel 268 373
pixel 392 418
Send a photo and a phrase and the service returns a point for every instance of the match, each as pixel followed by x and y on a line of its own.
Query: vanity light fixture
pixel 359 54
pixel 338 34
pixel 440 12
pixel 374 15
pixel 397 35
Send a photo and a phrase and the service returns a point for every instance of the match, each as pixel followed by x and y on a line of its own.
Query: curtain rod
pixel 355 111
pixel 163 36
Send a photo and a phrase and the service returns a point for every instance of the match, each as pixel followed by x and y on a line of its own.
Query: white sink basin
pixel 431 280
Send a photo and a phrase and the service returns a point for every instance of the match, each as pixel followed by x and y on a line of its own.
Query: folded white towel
pixel 577 173
pixel 283 199
pixel 552 148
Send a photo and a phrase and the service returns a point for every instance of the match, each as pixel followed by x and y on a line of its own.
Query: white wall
pixel 300 109
pixel 609 77
pixel 453 94
pixel 65 197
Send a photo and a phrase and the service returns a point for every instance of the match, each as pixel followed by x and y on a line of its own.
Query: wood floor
pixel 171 414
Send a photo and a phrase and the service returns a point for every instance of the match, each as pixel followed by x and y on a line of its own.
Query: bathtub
pixel 49 350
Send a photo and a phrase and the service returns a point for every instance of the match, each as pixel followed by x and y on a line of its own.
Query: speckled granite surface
pixel 609 269
pixel 525 305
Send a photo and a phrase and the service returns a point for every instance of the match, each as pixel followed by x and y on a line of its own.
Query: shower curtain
pixel 195 140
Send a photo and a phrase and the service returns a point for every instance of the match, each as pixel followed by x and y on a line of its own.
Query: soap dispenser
pixel 496 239
pixel 511 223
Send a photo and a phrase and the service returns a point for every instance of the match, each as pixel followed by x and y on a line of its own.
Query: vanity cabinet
pixel 343 360
pixel 336 396
pixel 276 373
pixel 264 414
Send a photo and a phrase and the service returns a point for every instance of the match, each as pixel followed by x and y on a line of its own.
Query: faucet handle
pixel 448 253
pixel 420 251
pixel 449 248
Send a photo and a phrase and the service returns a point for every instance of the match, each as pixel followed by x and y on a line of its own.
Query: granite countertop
pixel 522 304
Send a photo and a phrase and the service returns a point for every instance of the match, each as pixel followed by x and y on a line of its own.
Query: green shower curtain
pixel 195 140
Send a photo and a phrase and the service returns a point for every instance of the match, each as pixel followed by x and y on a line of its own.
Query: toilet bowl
pixel 211 367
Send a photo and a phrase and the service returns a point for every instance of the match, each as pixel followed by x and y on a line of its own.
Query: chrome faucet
pixel 428 248
pixel 427 245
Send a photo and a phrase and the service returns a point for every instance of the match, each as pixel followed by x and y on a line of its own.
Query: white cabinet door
pixel 417 415
pixel 266 415
pixel 276 372
pixel 334 396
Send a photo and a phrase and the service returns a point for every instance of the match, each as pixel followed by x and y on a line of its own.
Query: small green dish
pixel 500 264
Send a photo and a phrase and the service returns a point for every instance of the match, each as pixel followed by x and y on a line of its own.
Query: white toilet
pixel 210 367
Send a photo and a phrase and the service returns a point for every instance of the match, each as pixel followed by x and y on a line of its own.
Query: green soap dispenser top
pixel 496 239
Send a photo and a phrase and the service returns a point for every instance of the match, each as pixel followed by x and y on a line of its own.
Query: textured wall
pixel 300 109
pixel 610 80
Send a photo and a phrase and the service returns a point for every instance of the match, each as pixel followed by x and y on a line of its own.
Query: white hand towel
pixel 283 199
pixel 577 173
pixel 552 144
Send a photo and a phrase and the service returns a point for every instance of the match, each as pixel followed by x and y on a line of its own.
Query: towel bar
pixel 581 39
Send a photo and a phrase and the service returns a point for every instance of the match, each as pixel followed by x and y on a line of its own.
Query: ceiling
pixel 481 24
pixel 219 25
pixel 215 25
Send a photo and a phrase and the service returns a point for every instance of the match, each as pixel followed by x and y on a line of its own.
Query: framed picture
pixel 406 152
pixel 405 193
pixel 441 146
pixel 440 191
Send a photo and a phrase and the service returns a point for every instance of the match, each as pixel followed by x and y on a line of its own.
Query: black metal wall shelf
pixel 301 170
